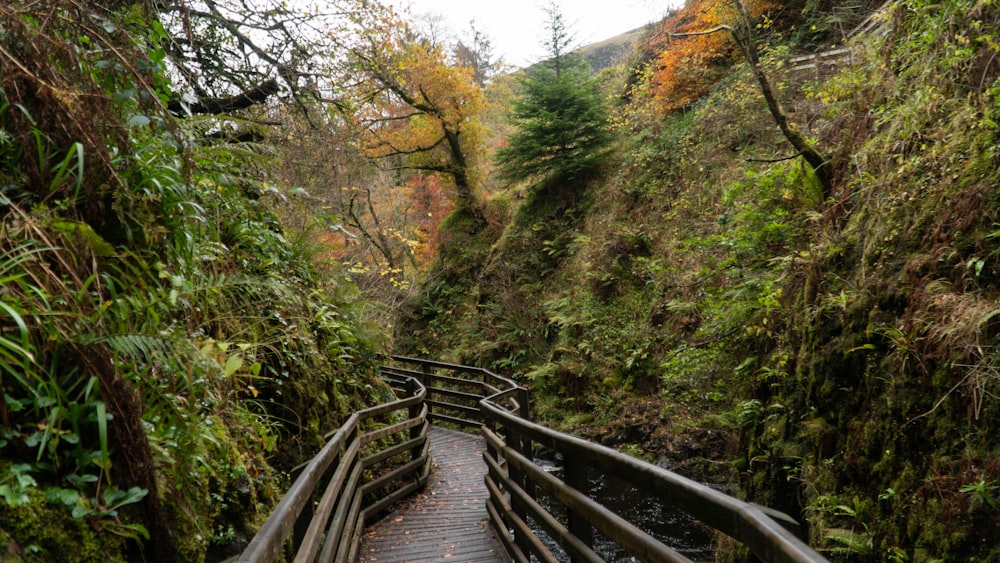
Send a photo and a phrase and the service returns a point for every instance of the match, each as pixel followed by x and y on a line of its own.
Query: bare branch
pixel 216 106
pixel 773 160
pixel 715 29
pixel 406 152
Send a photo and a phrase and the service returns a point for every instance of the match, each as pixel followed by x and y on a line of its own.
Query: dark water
pixel 673 527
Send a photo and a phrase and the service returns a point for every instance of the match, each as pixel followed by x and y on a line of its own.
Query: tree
pixel 477 55
pixel 560 118
pixel 743 34
pixel 414 109
pixel 228 56
pixel 687 66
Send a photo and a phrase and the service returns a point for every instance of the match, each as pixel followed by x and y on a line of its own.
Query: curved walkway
pixel 448 520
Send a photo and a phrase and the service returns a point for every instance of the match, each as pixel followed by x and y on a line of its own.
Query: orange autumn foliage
pixel 423 109
pixel 431 205
pixel 425 96
pixel 686 68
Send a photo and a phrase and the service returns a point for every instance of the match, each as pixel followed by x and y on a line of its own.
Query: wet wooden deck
pixel 448 520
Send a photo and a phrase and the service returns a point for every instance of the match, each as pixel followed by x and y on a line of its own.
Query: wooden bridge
pixel 373 494
pixel 448 521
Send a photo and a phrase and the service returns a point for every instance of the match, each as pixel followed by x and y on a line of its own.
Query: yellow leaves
pixel 427 99
pixel 358 269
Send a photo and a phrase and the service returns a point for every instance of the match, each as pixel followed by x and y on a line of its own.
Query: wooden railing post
pixel 524 445
pixel 516 441
pixel 425 372
pixel 412 388
pixel 575 474
pixel 522 399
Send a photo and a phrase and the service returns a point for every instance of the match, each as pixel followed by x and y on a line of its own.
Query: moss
pixel 36 532
pixel 227 496
pixel 861 330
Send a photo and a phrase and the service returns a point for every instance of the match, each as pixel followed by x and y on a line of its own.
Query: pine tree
pixel 560 117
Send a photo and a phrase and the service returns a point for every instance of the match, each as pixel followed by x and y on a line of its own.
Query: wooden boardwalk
pixel 447 521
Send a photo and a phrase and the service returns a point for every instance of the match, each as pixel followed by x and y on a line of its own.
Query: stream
pixel 673 527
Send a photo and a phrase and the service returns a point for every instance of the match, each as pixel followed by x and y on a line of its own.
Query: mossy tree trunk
pixel 743 34
pixel 745 39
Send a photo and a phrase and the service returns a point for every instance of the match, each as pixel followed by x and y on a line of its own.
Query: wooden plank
pixel 462 409
pixel 635 540
pixel 474 424
pixel 370 437
pixel 268 541
pixel 398 449
pixel 469 398
pixel 448 521
pixel 547 521
pixel 741 521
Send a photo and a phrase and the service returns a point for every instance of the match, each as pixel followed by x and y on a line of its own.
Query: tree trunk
pixel 818 162
pixel 132 446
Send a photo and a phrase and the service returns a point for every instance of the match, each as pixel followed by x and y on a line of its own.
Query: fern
pixel 139 347
pixel 848 541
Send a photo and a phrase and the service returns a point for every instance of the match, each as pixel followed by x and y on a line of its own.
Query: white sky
pixel 517 27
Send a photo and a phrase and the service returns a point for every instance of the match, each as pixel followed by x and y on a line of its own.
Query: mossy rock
pixel 36 532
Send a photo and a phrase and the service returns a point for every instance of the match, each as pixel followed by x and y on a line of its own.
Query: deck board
pixel 448 520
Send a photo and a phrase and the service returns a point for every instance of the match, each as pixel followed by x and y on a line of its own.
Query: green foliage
pixel 845 340
pixel 982 494
pixel 561 122
pixel 164 344
pixel 41 530
pixel 561 126
pixel 16 484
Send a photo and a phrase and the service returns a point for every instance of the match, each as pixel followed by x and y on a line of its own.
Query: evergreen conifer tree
pixel 560 118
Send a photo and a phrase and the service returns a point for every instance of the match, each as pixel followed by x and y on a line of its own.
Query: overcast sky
pixel 516 27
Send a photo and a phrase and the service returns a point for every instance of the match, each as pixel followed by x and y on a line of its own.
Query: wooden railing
pixel 308 525
pixel 323 514
pixel 520 521
pixel 817 66
pixel 454 391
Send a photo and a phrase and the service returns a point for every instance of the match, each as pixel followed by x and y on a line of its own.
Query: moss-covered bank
pixel 836 354
pixel 168 351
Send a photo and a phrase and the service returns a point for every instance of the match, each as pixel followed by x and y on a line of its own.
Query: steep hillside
pixel 614 50
pixel 703 300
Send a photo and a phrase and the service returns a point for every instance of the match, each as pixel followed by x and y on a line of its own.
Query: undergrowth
pixel 167 350
pixel 841 344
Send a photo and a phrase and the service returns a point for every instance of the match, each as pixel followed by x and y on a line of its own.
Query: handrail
pixel 513 478
pixel 366 472
pixel 453 390
pixel 331 526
